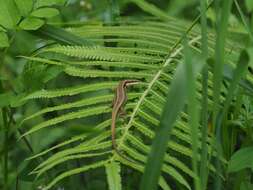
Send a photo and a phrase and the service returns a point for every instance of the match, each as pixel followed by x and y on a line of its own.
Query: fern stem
pixel 190 28
pixel 147 91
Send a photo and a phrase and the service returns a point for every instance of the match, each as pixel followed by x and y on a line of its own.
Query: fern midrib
pixel 146 92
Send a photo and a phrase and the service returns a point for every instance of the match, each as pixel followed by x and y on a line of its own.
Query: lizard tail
pixel 114 144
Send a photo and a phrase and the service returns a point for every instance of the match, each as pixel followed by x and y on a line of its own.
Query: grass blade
pixel 222 24
pixel 113 175
pixel 152 9
pixel 175 102
pixel 204 105
pixel 193 111
pixel 238 74
pixel 60 35
pixel 244 20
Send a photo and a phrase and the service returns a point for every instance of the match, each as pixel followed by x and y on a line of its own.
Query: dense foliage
pixel 187 123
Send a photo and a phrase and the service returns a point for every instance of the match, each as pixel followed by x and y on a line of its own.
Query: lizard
pixel 118 103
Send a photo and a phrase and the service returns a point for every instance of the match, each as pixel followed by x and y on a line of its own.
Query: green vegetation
pixel 187 123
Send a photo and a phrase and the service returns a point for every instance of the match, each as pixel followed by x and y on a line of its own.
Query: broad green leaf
pixel 24 6
pixel 31 23
pixel 9 14
pixel 45 12
pixel 43 3
pixel 242 159
pixel 113 175
pixel 249 5
pixel 4 41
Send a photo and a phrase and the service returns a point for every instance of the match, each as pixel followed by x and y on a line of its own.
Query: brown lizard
pixel 118 103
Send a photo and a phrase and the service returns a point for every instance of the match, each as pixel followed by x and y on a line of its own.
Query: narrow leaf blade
pixel 113 175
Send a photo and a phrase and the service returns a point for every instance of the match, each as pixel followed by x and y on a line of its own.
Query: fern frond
pixel 39 172
pixel 74 172
pixel 73 115
pixel 80 103
pixel 71 91
pixel 101 53
pixel 97 73
pixel 167 169
pixel 82 137
pixel 71 151
pixel 148 51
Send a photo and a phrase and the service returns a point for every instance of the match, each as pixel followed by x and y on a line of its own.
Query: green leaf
pixel 24 6
pixel 31 23
pixel 250 52
pixel 4 41
pixel 60 35
pixel 25 169
pixel 151 9
pixel 75 171
pixel 204 102
pixel 246 186
pixel 175 102
pixel 249 5
pixel 52 73
pixel 45 12
pixel 43 72
pixel 193 111
pixel 9 15
pixel 223 13
pixel 43 3
pixel 7 97
pixel 244 20
pixel 242 159
pixel 113 175
pixel 238 74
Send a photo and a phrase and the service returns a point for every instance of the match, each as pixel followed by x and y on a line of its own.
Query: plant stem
pixel 5 152
pixel 204 130
pixel 6 132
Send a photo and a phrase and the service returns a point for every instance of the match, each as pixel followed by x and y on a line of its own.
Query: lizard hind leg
pixel 122 112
